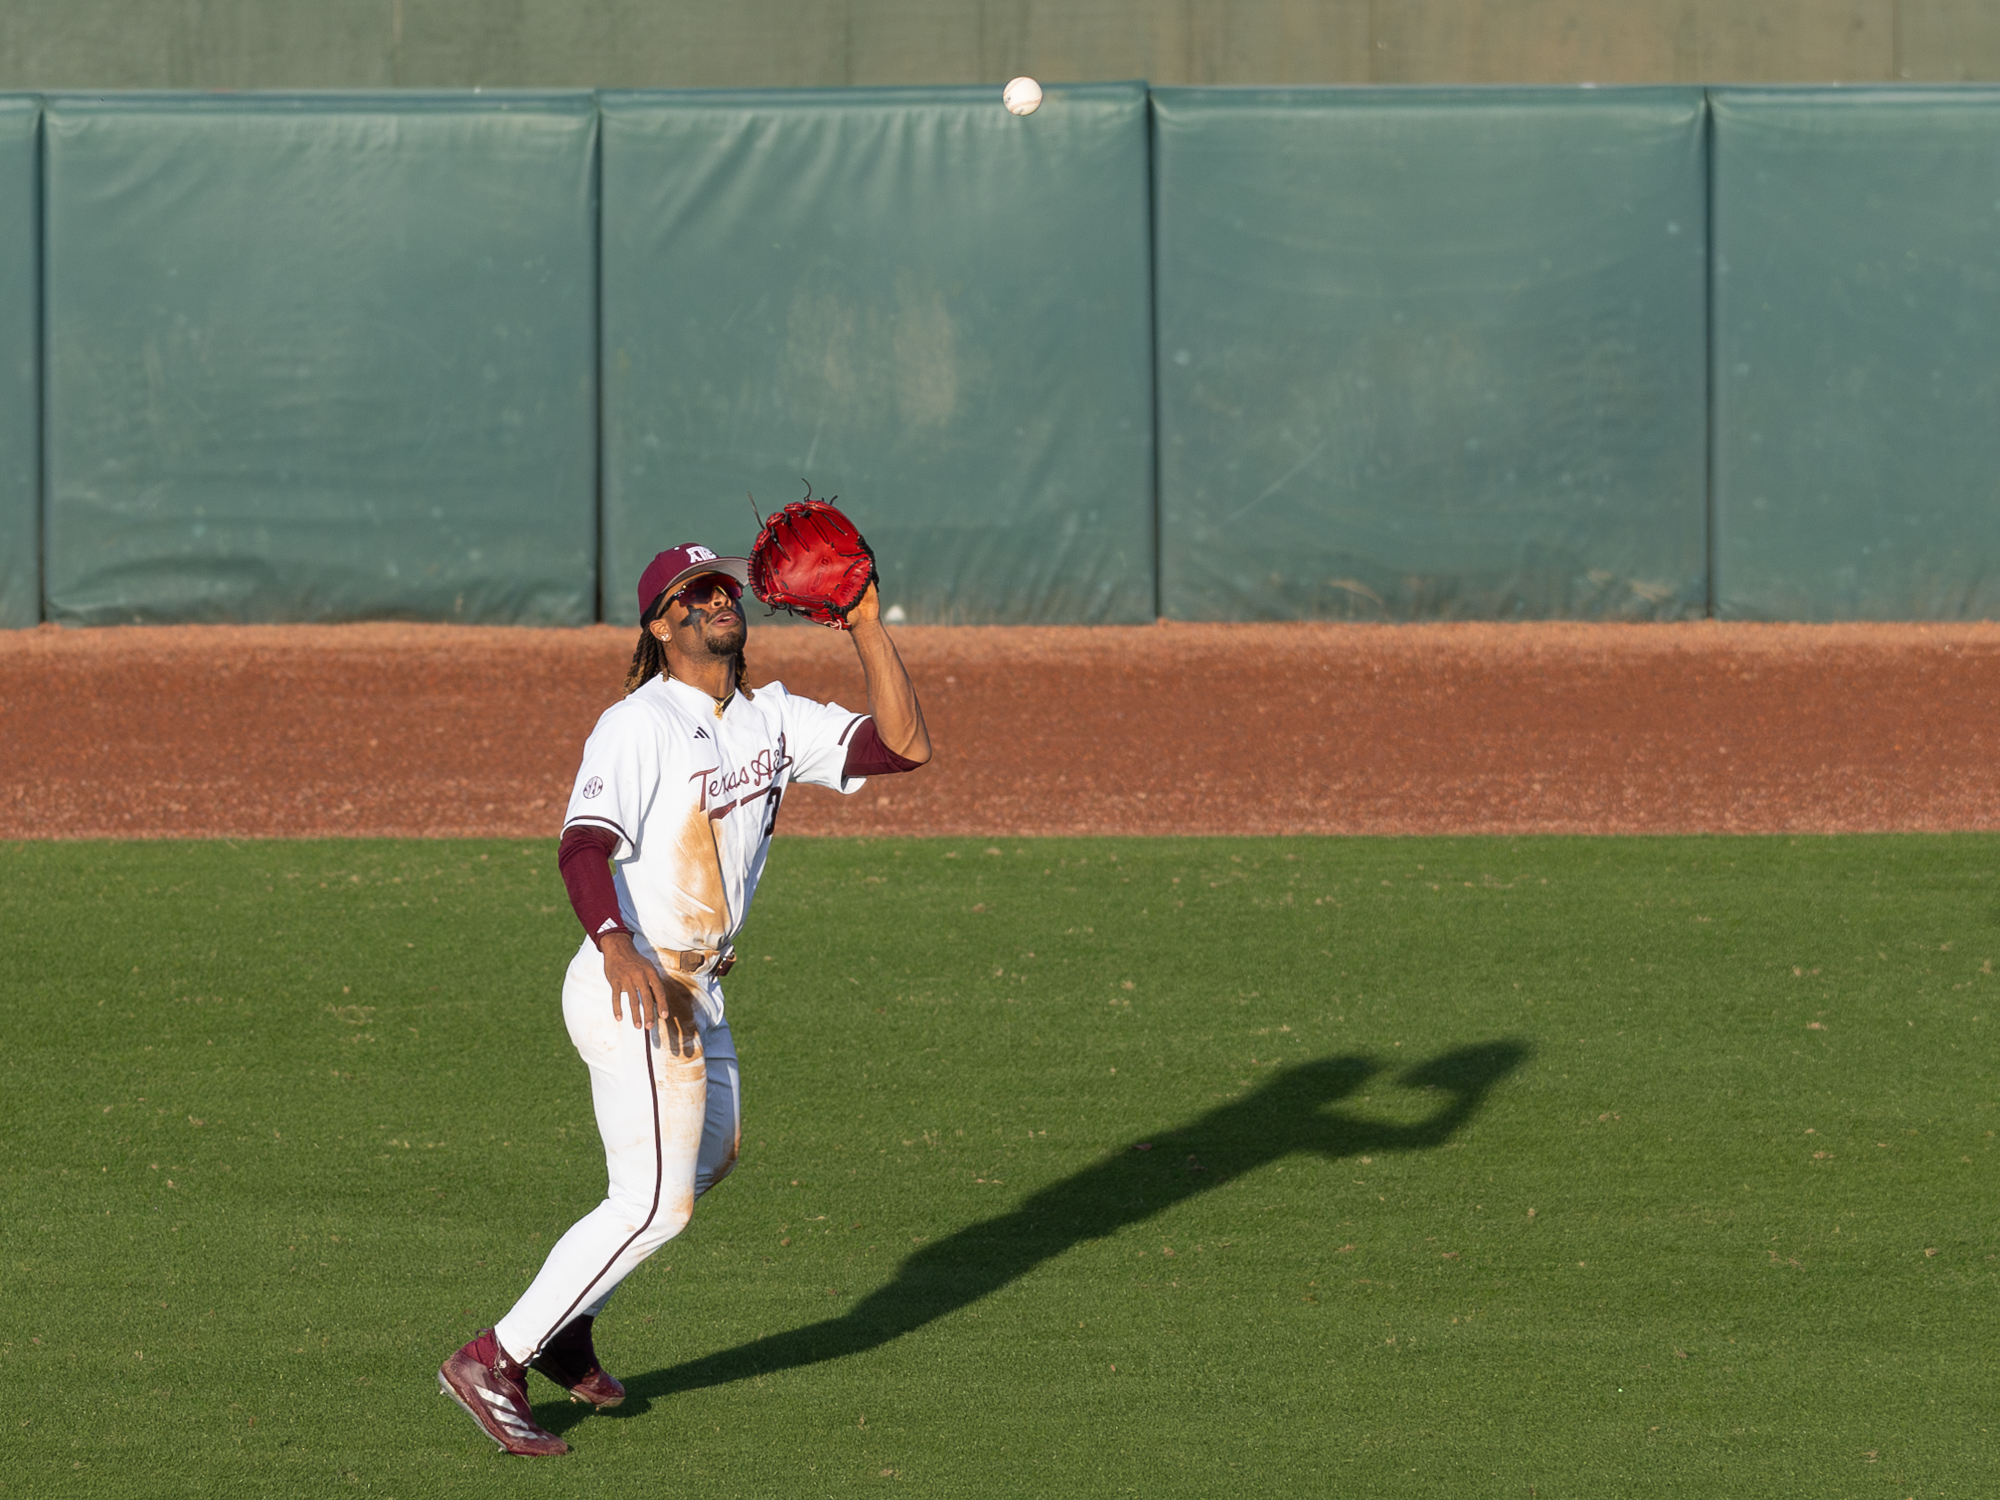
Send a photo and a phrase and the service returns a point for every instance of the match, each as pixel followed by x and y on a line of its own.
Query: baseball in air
pixel 1022 97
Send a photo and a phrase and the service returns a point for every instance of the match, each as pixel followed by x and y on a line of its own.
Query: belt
pixel 697 960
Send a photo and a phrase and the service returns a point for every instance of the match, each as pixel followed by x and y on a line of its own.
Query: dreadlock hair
pixel 649 657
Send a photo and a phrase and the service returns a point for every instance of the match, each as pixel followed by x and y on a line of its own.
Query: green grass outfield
pixel 1537 1167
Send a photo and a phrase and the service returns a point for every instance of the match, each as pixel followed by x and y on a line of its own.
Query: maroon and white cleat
pixel 570 1361
pixel 492 1387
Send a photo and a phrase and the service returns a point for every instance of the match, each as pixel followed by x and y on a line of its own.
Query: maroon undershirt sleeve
pixel 868 756
pixel 584 860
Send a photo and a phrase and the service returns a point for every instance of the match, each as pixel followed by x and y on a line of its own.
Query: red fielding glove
pixel 810 559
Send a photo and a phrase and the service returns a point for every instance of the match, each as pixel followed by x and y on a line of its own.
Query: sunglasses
pixel 702 589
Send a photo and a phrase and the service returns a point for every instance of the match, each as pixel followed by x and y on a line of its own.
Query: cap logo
pixel 700 554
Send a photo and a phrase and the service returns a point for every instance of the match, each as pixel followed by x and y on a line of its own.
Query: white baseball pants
pixel 671 1128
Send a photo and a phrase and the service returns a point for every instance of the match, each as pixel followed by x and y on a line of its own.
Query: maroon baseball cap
pixel 676 565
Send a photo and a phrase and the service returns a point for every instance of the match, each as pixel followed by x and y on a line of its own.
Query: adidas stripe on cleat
pixel 492 1388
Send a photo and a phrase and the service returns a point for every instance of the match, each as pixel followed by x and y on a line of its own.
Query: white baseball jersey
pixel 692 797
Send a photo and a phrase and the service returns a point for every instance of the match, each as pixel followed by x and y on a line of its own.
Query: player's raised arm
pixel 892 697
pixel 810 559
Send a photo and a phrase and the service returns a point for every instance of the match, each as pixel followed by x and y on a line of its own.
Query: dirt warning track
pixel 417 730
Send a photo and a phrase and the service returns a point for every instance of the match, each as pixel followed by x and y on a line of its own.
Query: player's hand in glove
pixel 641 993
pixel 867 609
pixel 810 559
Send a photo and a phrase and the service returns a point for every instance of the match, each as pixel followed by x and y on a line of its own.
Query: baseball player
pixel 679 791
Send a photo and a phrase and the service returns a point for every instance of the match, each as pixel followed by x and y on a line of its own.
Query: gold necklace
pixel 720 703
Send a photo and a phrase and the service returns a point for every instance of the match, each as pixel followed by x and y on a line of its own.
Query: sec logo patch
pixel 593 786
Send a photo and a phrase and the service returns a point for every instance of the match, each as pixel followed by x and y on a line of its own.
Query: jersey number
pixel 771 818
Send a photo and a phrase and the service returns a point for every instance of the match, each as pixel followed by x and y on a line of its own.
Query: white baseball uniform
pixel 691 794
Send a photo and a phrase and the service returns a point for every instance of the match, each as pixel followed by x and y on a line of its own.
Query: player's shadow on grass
pixel 1286 1115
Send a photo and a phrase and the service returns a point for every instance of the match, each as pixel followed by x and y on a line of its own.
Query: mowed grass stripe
pixel 1174 1167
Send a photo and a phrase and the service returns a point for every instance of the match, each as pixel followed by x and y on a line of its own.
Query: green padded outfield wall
pixel 930 308
pixel 1857 354
pixel 321 357
pixel 1431 355
pixel 20 369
